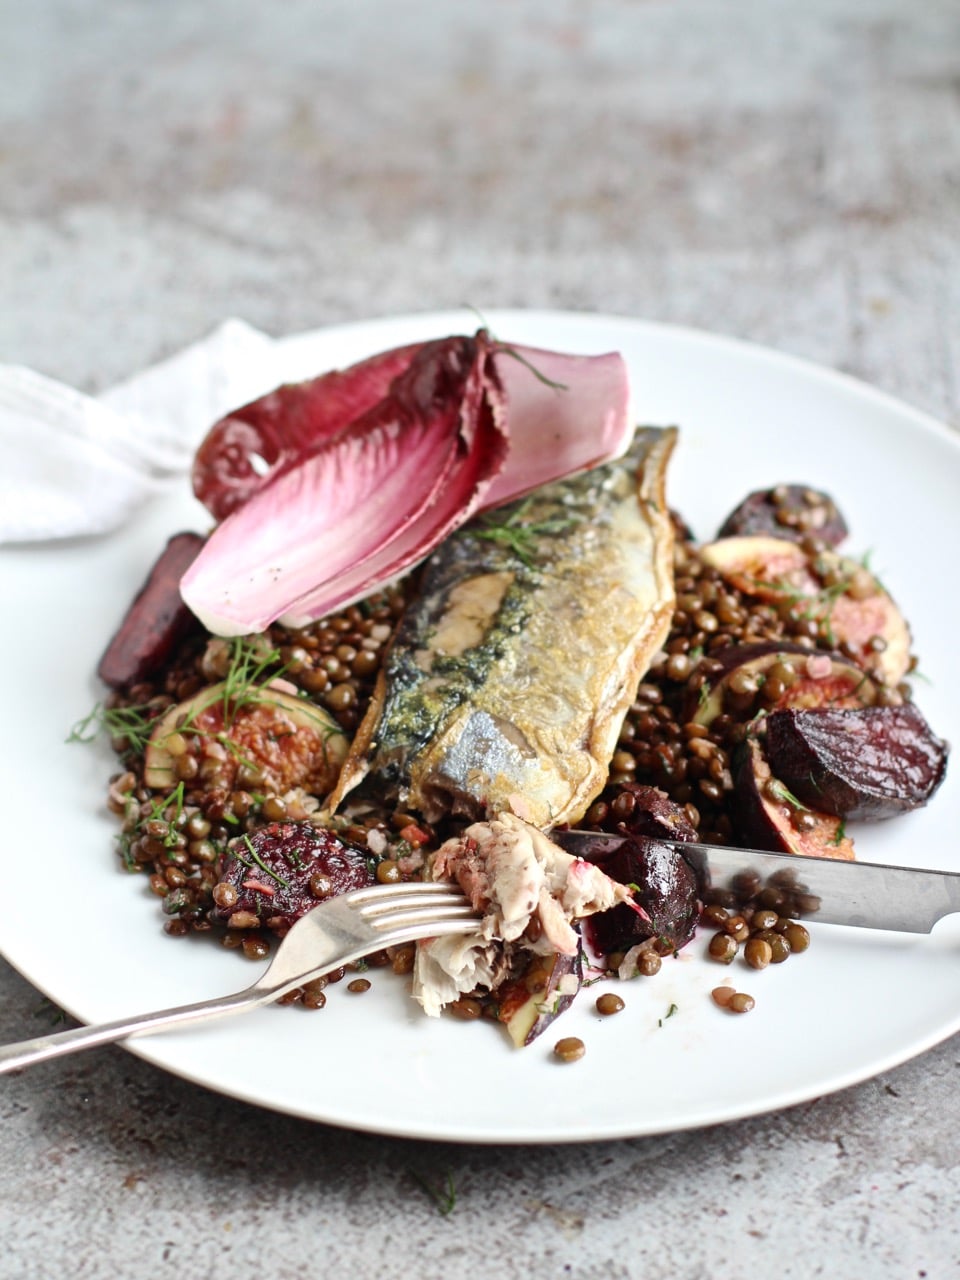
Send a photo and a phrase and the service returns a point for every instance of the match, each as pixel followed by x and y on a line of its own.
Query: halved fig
pixel 764 677
pixel 156 620
pixel 769 816
pixel 793 511
pixel 840 595
pixel 281 871
pixel 767 568
pixel 288 740
pixel 859 614
pixel 528 1004
pixel 868 763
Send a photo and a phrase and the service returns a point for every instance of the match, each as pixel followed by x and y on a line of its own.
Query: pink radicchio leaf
pixel 364 505
pixel 259 441
pixel 566 414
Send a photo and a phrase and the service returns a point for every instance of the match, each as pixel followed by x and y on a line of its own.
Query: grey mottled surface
pixel 786 173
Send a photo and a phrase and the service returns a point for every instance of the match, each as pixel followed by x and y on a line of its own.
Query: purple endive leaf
pixel 385 490
pixel 259 441
pixel 571 413
pixel 483 430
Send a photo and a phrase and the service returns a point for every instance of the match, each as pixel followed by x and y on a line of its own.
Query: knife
pixel 868 895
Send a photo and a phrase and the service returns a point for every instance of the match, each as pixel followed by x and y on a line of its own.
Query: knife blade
pixel 867 895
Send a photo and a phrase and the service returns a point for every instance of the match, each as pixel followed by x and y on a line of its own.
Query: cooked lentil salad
pixel 216 793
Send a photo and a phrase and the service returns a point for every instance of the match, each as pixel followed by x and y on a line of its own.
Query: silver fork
pixel 336 932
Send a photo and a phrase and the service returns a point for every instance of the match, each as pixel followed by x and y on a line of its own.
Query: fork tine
pixel 387 892
pixel 438 929
pixel 419 916
pixel 373 911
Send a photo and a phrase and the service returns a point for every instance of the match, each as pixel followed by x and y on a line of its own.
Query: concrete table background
pixel 785 173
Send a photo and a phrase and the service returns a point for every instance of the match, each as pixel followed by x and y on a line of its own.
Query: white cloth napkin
pixel 72 464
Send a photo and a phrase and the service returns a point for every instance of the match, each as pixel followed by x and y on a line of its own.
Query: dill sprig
pixel 252 664
pixel 781 792
pixel 134 723
pixel 259 861
pixel 519 534
pixel 443 1195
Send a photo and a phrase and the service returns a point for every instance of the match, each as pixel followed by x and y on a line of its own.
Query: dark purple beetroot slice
pixel 156 621
pixel 666 890
pixel 651 813
pixel 793 511
pixel 768 815
pixel 865 764
pixel 271 870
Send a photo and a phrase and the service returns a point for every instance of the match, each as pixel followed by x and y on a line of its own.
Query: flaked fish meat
pixel 529 891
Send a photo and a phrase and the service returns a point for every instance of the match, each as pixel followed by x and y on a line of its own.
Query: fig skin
pixel 794 511
pixel 865 764
pixel 768 816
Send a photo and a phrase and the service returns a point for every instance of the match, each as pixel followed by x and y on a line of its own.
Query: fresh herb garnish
pixel 259 861
pixel 49 1012
pixel 521 537
pixel 841 833
pixel 669 1014
pixel 135 724
pixel 781 792
pixel 444 1195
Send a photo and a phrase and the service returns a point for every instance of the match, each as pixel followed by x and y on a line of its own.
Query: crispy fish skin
pixel 509 676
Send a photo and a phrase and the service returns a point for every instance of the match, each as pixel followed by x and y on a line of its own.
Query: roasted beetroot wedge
pixel 769 816
pixel 665 888
pixel 156 620
pixel 867 764
pixel 792 511
pixel 277 874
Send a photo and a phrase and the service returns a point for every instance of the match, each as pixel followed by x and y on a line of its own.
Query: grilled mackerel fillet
pixel 510 673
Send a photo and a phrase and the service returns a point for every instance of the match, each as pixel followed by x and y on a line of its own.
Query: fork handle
pixel 26 1052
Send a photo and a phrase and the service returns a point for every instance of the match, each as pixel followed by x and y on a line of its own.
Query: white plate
pixel 857 1003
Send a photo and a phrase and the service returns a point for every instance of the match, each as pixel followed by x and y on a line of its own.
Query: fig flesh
pixel 865 764
pixel 804 678
pixel 292 741
pixel 848 605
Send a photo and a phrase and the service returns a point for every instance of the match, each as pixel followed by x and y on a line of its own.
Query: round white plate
pixel 855 1004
